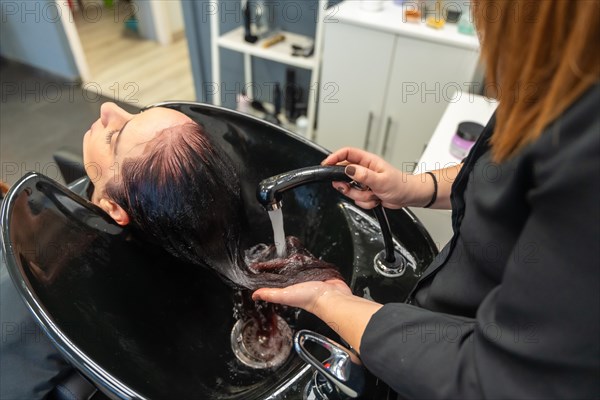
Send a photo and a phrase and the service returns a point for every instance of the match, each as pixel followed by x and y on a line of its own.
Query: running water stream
pixel 276 217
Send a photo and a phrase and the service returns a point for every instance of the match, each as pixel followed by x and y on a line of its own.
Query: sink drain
pixel 258 350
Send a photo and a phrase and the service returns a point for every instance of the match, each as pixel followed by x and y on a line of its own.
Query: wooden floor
pixel 44 115
pixel 129 69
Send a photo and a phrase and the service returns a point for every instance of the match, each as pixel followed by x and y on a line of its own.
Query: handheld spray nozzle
pixel 269 190
pixel 389 262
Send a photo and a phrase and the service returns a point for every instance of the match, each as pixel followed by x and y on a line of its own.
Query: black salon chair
pixel 75 387
pixel 70 164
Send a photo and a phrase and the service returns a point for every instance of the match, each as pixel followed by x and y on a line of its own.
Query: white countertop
pixel 391 19
pixel 463 107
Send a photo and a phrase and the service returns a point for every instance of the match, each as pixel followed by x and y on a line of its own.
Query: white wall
pixel 175 13
pixel 146 24
pixel 31 32
pixel 164 19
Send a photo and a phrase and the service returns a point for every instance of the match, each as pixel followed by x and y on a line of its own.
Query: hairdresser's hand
pixel 307 295
pixel 332 301
pixel 389 186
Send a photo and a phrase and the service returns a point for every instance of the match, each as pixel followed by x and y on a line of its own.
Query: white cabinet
pixel 424 78
pixel 392 81
pixel 350 109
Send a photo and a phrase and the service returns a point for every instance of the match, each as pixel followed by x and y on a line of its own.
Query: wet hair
pixel 184 194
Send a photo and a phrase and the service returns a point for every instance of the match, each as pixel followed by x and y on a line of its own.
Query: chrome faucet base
pixel 388 269
pixel 319 388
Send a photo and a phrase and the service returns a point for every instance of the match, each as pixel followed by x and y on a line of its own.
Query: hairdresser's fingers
pixel 302 295
pixel 342 187
pixel 360 195
pixel 342 163
pixel 266 294
pixel 334 158
pixel 355 156
pixel 367 205
pixel 365 197
pixel 366 176
pixel 346 155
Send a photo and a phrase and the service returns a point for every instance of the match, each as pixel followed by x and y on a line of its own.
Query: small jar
pixel 465 137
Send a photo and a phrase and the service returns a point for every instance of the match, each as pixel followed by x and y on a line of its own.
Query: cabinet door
pixel 355 67
pixel 425 77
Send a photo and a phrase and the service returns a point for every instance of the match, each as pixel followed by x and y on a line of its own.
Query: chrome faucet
pixel 340 376
pixel 389 262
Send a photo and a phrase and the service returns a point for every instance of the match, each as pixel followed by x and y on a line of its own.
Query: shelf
pixel 280 52
pixel 290 126
pixel 391 19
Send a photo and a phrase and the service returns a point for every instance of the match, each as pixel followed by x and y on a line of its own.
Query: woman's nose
pixel 112 113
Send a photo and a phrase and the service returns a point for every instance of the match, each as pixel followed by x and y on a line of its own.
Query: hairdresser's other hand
pixel 389 186
pixel 306 295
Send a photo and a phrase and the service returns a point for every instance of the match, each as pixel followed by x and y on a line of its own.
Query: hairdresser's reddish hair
pixel 540 55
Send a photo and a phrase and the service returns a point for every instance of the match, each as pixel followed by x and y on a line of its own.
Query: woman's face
pixel 118 135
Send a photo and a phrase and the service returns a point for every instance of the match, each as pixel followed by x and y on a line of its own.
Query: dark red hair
pixel 184 194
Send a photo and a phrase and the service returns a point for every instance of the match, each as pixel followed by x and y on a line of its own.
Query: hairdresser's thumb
pixel 265 294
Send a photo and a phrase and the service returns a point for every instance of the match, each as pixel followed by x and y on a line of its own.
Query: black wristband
pixel 435 189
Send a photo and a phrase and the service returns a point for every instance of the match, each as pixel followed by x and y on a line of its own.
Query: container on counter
pixel 465 137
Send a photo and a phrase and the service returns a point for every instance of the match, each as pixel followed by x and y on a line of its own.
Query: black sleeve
pixel 536 334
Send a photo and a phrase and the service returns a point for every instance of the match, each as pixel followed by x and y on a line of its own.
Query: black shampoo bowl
pixel 140 324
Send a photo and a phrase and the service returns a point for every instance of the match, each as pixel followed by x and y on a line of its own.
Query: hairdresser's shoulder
pixel 575 134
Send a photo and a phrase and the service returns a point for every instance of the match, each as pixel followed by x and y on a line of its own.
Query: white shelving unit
pixel 280 52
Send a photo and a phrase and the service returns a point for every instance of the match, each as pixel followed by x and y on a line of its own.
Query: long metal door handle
pixel 388 125
pixel 368 135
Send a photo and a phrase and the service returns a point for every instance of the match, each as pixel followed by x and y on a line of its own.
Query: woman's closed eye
pixel 110 134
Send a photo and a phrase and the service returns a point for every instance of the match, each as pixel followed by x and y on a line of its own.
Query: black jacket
pixel 510 308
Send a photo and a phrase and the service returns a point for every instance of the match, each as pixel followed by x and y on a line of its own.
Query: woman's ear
pixel 115 211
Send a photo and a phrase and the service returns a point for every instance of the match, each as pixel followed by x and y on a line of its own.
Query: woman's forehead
pixel 161 118
pixel 147 125
pixel 144 127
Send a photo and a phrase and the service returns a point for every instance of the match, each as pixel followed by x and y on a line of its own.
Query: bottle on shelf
pixel 302 126
pixel 242 102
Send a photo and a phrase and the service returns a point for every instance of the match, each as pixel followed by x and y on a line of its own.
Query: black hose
pixel 388 242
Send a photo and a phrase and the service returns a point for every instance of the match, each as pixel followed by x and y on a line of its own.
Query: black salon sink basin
pixel 142 325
